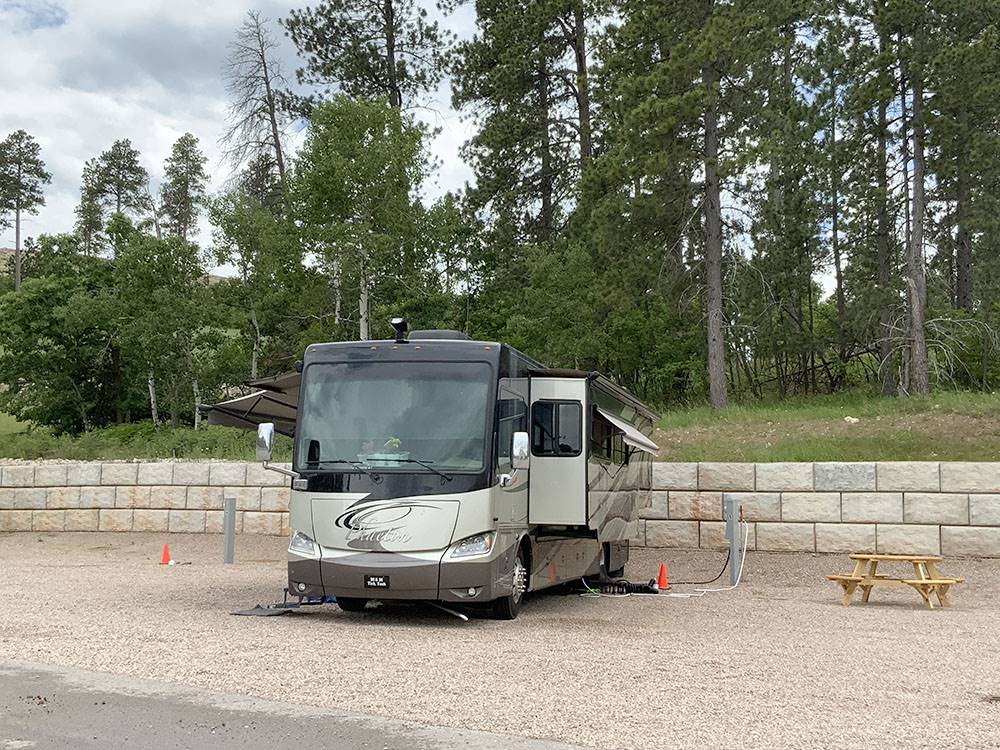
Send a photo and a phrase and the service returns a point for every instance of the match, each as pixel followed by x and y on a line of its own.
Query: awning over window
pixel 632 436
pixel 276 401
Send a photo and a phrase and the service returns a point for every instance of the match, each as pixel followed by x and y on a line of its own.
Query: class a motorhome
pixel 433 467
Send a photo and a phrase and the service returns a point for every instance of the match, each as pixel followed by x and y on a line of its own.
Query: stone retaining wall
pixel 948 508
pixel 158 496
pixel 920 507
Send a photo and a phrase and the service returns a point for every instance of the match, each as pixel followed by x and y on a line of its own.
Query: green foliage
pixel 85 334
pixel 272 292
pixel 614 144
pixel 159 312
pixel 365 50
pixel 58 358
pixel 137 440
pixel 354 200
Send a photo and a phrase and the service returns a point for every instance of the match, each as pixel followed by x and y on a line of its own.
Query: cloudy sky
pixel 79 74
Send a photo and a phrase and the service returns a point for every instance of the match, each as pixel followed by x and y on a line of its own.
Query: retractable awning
pixel 274 400
pixel 632 436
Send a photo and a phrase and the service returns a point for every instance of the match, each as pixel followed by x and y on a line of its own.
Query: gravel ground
pixel 777 663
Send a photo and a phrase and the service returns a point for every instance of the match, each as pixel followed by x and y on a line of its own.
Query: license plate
pixel 376 582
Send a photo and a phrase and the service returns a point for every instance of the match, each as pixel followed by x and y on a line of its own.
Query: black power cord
pixel 704 583
pixel 623 587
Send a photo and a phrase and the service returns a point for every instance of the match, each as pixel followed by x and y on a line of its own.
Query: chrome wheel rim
pixel 520 582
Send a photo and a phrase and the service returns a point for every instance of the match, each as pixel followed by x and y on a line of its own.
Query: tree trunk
pixel 152 399
pixel 156 216
pixel 582 82
pixel 389 16
pixel 887 374
pixel 835 232
pixel 255 354
pixel 337 294
pixel 545 176
pixel 904 138
pixel 963 238
pixel 363 331
pixel 916 280
pixel 17 248
pixel 175 412
pixel 713 249
pixel 272 109
pixel 197 400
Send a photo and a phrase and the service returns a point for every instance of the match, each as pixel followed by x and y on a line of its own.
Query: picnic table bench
pixel 927 579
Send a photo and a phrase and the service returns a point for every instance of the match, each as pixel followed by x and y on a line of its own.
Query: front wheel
pixel 351 604
pixel 507 607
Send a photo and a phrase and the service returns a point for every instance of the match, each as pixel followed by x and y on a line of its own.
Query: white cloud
pixel 80 74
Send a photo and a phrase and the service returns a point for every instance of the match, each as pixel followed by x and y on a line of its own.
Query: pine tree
pixel 121 182
pixel 386 49
pixel 525 79
pixel 183 191
pixel 90 212
pixel 22 175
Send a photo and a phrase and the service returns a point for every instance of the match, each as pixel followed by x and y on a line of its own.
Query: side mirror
pixel 520 453
pixel 265 441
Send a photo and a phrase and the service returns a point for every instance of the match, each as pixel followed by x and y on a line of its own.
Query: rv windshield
pixel 393 415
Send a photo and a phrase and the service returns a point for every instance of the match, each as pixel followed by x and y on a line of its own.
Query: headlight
pixel 302 545
pixel 480 544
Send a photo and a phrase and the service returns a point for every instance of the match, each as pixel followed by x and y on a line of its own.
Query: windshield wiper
pixel 356 464
pixel 426 465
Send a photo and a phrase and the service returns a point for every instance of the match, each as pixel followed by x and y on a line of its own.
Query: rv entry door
pixel 557 482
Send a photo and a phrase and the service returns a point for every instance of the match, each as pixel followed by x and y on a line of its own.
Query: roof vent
pixel 443 334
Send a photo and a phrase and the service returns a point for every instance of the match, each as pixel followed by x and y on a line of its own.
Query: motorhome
pixel 434 467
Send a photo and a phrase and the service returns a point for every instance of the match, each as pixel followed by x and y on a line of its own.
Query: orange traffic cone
pixel 166 559
pixel 663 583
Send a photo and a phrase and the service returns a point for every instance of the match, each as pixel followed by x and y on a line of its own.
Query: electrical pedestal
pixel 731 510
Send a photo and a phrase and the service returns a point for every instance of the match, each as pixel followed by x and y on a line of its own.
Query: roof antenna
pixel 401 327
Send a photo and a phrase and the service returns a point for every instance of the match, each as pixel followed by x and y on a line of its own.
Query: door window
pixel 556 428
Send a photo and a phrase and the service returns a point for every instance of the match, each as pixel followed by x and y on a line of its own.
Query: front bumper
pixel 426 576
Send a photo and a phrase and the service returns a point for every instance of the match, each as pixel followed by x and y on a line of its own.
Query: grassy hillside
pixel 132 441
pixel 946 426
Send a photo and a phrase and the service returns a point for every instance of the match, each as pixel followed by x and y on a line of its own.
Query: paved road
pixel 46 707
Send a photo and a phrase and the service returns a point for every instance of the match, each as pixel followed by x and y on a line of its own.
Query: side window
pixel 556 428
pixel 606 441
pixel 512 416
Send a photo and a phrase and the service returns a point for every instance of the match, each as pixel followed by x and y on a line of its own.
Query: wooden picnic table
pixel 927 579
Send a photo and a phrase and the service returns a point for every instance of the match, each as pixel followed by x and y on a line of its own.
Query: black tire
pixel 617 572
pixel 507 607
pixel 351 604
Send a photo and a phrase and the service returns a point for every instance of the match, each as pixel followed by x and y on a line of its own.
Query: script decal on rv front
pixel 381 523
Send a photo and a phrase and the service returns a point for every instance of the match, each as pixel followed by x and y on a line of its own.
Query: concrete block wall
pixel 948 508
pixel 160 496
pixel 919 507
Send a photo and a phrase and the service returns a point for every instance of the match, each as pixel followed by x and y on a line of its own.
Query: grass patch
pixel 10 426
pixel 947 426
pixel 140 440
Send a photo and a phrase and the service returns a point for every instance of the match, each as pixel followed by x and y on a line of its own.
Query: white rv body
pixel 410 485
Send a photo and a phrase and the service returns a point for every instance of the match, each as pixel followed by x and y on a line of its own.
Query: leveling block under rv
pixel 436 468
